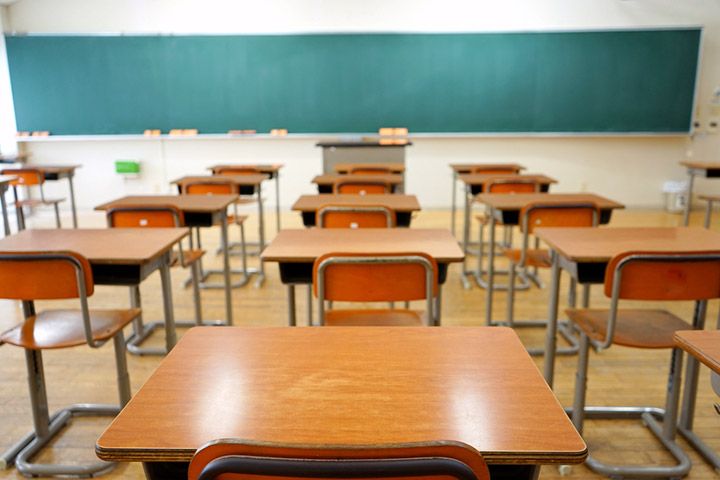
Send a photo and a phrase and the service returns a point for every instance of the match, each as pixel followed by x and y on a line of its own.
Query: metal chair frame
pixel 651 416
pixel 479 272
pixel 311 465
pixel 565 329
pixel 20 213
pixel 433 312
pixel 245 271
pixel 47 426
pixel 322 212
pixel 142 331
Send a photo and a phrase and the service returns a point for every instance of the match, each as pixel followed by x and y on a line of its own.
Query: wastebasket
pixel 676 195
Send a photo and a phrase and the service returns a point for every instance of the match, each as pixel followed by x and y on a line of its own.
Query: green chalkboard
pixel 574 82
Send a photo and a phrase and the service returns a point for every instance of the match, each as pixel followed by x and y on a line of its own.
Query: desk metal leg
pixel 309 305
pixel 261 235
pixel 6 222
pixel 490 271
pixel 708 214
pixel 277 201
pixel 688 203
pixel 226 268
pixel 453 203
pixel 170 335
pixel 72 200
pixel 292 319
pixel 466 240
pixel 550 334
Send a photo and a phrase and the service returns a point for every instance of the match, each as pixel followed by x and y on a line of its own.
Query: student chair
pixel 364 187
pixel 507 186
pixel 160 216
pixel 358 277
pixel 644 276
pixel 246 196
pixel 223 188
pixel 235 459
pixel 532 216
pixel 365 216
pixel 368 170
pixel 35 276
pixel 28 177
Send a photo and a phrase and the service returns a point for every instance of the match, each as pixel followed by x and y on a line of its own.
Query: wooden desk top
pixel 323 385
pixel 599 245
pixel 186 203
pixel 124 246
pixel 345 168
pixel 262 167
pixel 701 165
pixel 56 169
pixel 712 198
pixel 516 201
pixel 239 180
pixel 480 178
pixel 331 178
pixel 302 246
pixel 6 179
pixel 468 167
pixel 395 201
pixel 701 344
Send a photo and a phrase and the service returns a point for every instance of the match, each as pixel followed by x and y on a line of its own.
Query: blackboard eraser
pixel 22 134
pixel 393 131
pixel 175 131
pixel 190 131
pixel 41 133
pixel 279 132
pixel 154 132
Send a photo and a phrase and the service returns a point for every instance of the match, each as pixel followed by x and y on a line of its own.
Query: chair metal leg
pixel 650 416
pixel 48 426
pixel 246 271
pixel 292 319
pixel 309 305
pixel 195 272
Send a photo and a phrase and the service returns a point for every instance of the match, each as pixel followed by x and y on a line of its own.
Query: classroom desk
pixel 702 169
pixel 346 386
pixel 704 346
pixel 270 169
pixel 296 250
pixel 585 252
pixel 402 205
pixel 117 257
pixel 345 168
pixel 246 185
pixel 199 211
pixel 460 168
pixel 326 182
pixel 473 185
pixel 58 172
pixel 506 209
pixel 4 186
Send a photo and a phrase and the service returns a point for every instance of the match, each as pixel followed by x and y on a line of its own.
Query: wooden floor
pixel 618 376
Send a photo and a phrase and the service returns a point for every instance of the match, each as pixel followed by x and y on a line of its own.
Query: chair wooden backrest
pixel 368 170
pixel 209 188
pixel 375 277
pixel 363 187
pixel 504 185
pixel 237 170
pixel 25 176
pixel 359 216
pixel 233 460
pixel 479 169
pixel 659 276
pixel 155 216
pixel 32 276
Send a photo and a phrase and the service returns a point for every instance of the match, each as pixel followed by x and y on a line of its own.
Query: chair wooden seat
pixel 533 258
pixel 638 328
pixel 36 202
pixel 188 257
pixel 64 328
pixel 237 219
pixel 374 318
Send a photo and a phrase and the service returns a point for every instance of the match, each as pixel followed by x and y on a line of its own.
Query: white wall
pixel 628 169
